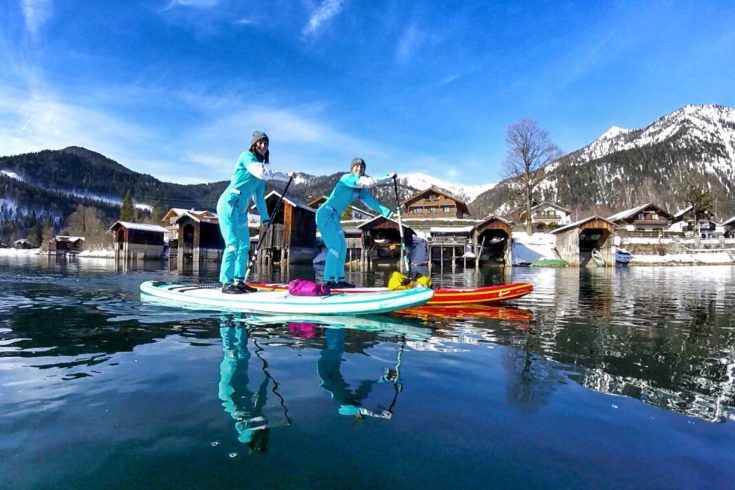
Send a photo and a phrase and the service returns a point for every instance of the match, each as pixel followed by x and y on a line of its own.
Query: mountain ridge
pixel 618 170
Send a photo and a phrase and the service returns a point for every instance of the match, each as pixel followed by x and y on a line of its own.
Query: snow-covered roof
pixel 199 216
pixel 450 229
pixel 550 204
pixel 379 217
pixel 730 221
pixel 140 226
pixel 297 203
pixel 68 238
pixel 627 213
pixel 579 223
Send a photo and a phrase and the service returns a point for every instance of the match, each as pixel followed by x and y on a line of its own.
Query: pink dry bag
pixel 302 287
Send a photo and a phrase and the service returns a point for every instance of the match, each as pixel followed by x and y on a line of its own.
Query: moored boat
pixel 623 256
pixel 442 296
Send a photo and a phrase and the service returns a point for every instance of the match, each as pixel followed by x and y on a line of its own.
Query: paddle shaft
pixel 404 256
pixel 251 262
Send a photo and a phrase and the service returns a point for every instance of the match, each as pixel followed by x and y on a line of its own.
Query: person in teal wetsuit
pixel 248 181
pixel 350 186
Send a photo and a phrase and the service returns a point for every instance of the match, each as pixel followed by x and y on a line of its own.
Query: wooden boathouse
pixel 138 241
pixel 580 242
pixel 198 239
pixel 450 243
pixel 65 245
pixel 381 240
pixel 492 241
pixel 291 238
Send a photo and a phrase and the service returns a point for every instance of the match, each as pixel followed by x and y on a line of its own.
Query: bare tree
pixel 700 199
pixel 529 149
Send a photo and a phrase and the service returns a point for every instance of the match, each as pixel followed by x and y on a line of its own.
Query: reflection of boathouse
pixel 586 242
pixel 137 241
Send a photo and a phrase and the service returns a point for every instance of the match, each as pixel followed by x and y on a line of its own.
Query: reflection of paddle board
pixel 442 296
pixel 472 311
pixel 279 302
pixel 412 329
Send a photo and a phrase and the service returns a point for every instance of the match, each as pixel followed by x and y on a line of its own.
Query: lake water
pixel 615 378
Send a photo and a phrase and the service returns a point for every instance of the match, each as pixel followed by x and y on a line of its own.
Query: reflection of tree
pixel 672 346
pixel 531 381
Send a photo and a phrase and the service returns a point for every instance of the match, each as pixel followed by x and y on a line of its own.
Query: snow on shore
pixel 97 254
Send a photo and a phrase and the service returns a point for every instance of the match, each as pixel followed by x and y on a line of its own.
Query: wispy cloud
pixel 326 11
pixel 408 44
pixel 244 22
pixel 36 13
pixel 192 3
pixel 38 119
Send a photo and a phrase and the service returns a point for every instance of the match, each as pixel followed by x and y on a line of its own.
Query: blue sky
pixel 174 88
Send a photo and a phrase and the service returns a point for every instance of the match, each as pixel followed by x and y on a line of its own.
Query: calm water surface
pixel 618 378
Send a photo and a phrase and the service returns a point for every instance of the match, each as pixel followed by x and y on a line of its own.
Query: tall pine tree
pixel 127 210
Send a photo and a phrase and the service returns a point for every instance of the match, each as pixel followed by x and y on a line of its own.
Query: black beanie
pixel 257 136
pixel 357 161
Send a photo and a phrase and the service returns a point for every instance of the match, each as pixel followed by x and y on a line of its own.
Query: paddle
pixel 404 256
pixel 251 262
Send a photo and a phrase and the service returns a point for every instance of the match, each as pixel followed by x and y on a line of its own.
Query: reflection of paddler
pixel 328 368
pixel 244 406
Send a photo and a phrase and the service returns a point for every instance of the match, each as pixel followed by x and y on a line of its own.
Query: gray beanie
pixel 257 136
pixel 357 161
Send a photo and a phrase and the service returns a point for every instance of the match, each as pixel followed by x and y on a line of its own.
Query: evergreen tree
pixel 48 233
pixel 127 210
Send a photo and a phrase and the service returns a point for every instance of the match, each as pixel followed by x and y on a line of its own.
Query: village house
pixel 645 218
pixel 728 228
pixel 684 221
pixel 435 203
pixel 547 215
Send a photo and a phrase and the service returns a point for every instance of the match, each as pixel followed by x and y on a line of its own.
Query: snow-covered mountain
pixel 468 193
pixel 693 145
pixel 690 126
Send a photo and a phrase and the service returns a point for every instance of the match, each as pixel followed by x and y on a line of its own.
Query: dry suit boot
pixel 232 289
pixel 340 285
pixel 244 288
